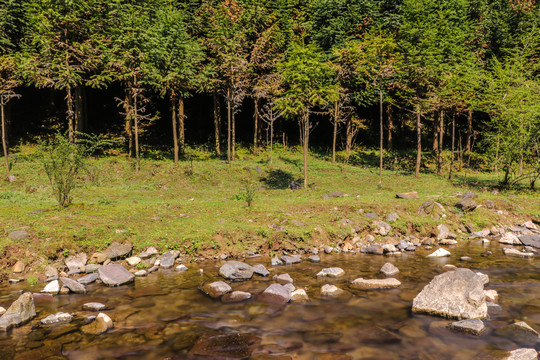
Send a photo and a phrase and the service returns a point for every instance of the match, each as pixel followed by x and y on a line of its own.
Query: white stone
pixel 515 252
pixel 133 261
pixel 52 288
pixel 299 295
pixel 510 239
pixel 389 269
pixel 2 311
pixel 181 268
pixel 141 273
pixel 331 290
pixel 439 253
pixel 331 272
pixel 522 354
pixel 530 225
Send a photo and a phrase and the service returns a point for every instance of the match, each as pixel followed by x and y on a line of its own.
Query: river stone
pixel 373 249
pixel 491 295
pixel 56 318
pixel 260 270
pixel 151 251
pixel 2 311
pixel 76 263
pixel 19 312
pixel 392 217
pixel 439 253
pixel 94 306
pixel 283 279
pixel 521 333
pixel 442 231
pixel 331 290
pixel 275 294
pixel 216 289
pixel 73 285
pixel 522 354
pixel 18 235
pixel 236 270
pixel 531 240
pixel 299 295
pixel 455 294
pixel 517 253
pixel 133 261
pixel 407 195
pixel 224 346
pixel 431 208
pixel 367 284
pixel 140 273
pixel 88 279
pixel 290 287
pixel 98 257
pixel 276 261
pixel 291 259
pixel 371 215
pixel 52 288
pixel 314 259
pixel 236 296
pixel 117 250
pixel 51 272
pixel 389 269
pixel 483 278
pixel 100 325
pixel 166 260
pixel 470 326
pixel 466 204
pixel 115 275
pixel 181 268
pixel 18 267
pixel 382 228
pixel 91 268
pixel 331 272
pixel 448 242
pixel 510 239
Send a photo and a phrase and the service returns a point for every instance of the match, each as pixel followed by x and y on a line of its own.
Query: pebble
pixel 331 290
pixel 141 273
pixel 94 306
pixel 181 268
pixel 331 272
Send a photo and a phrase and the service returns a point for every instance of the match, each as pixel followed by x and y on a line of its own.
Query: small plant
pixel 32 280
pixel 247 193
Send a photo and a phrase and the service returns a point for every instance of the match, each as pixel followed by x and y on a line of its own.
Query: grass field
pixel 199 206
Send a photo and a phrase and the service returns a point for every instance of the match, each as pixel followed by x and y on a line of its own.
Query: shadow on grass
pixel 278 179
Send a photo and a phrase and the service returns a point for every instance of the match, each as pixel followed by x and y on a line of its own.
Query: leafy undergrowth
pixel 199 206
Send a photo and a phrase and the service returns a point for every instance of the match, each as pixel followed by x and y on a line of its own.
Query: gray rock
pixel 235 297
pixel 276 261
pixel 117 250
pixel 283 279
pixel 389 269
pixel 373 249
pixel 57 318
pixel 455 294
pixel 52 288
pixel 297 223
pixel 21 311
pixel 334 194
pixel 76 263
pixel 521 333
pixel 470 326
pixel 291 259
pixel 402 245
pixel 153 269
pixel 517 253
pixel 392 217
pixel 314 259
pixel 18 235
pixel 522 354
pixel 73 285
pixel 531 240
pixel 236 270
pixel 216 289
pixel 469 195
pixel 290 287
pixel 371 215
pixel 275 294
pixel 50 272
pixel 166 260
pixel 115 275
pixel 466 204
pixel 407 195
pixel 94 306
pixel 431 208
pixel 299 295
pixel 328 249
pixel 331 272
pixel 442 232
pixel 90 268
pixel 260 270
pixel 510 239
pixel 331 290
pixel 88 279
pixel 140 273
pixel 151 251
pixel 100 325
pixel 369 284
pixel 382 228
pixel 181 268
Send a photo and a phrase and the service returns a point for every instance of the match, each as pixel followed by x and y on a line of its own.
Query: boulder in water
pixel 470 326
pixel 389 269
pixel 369 284
pixel 275 294
pixel 216 289
pixel 100 325
pixel 224 346
pixel 455 294
pixel 115 275
pixel 236 270
pixel 19 312
pixel 522 354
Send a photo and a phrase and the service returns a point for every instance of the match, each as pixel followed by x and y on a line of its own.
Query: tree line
pixel 431 61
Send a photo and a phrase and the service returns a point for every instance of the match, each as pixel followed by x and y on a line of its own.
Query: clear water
pixel 163 315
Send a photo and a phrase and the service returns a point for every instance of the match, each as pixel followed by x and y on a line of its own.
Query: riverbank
pixel 199 208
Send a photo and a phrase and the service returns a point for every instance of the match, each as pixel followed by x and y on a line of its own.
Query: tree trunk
pixel 129 121
pixel 217 122
pixel 380 135
pixel 469 131
pixel 4 136
pixel 228 126
pixel 435 132
pixel 440 142
pixel 271 138
pixel 80 122
pixel 390 127
pixel 305 139
pixel 174 127
pixel 70 115
pixel 348 140
pixel 419 143
pixel 233 148
pixel 453 144
pixel 255 125
pixel 334 137
pixel 136 124
pixel 181 125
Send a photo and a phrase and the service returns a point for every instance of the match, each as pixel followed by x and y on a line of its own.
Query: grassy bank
pixel 199 206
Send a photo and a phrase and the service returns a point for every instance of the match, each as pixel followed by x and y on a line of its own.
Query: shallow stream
pixel 163 315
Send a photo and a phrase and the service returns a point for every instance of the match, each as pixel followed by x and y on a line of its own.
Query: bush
pixel 62 161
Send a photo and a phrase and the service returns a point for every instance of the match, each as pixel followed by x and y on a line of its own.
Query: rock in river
pixel 236 270
pixel 236 296
pixel 368 284
pixel 73 285
pixel 76 263
pixel 102 324
pixel 439 253
pixel 221 346
pixel 331 290
pixel 216 289
pixel 166 260
pixel 470 326
pixel 115 275
pixel 261 270
pixel 522 354
pixel 389 269
pixel 19 312
pixel 455 294
pixel 275 294
pixel 331 272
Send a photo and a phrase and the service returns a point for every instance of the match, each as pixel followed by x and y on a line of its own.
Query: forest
pixel 456 81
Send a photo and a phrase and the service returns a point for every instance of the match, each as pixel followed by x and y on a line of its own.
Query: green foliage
pixel 62 161
pixel 247 193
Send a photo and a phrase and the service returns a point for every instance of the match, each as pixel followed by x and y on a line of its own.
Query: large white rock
pixel 133 261
pixel 368 284
pixel 52 288
pixel 331 272
pixel 439 253
pixel 331 290
pixel 522 354
pixel 510 239
pixel 19 312
pixel 389 269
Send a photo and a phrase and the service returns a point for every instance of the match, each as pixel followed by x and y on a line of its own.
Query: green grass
pixel 195 207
